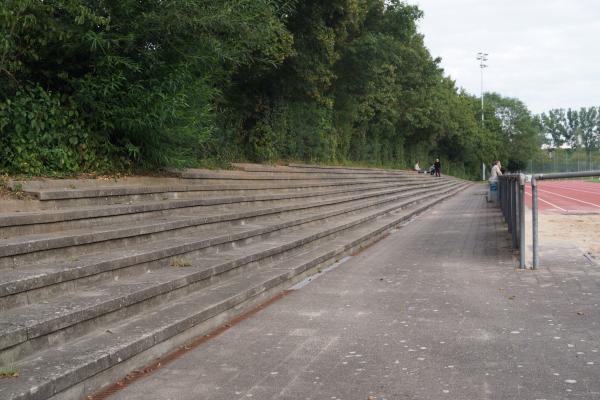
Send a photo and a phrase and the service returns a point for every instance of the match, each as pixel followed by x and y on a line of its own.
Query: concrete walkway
pixel 435 311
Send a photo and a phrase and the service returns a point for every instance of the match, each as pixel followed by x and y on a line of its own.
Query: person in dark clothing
pixel 438 167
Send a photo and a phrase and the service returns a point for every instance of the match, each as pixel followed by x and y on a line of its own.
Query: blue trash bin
pixel 493 191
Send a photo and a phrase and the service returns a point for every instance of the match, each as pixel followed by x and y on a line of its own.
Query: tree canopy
pixel 92 85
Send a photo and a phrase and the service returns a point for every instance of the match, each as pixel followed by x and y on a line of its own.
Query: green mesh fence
pixel 564 161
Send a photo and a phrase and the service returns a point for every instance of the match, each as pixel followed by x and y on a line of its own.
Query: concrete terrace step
pixel 29 244
pixel 25 324
pixel 333 169
pixel 17 284
pixel 48 217
pixel 132 190
pixel 76 368
pixel 306 169
pixel 109 275
pixel 275 175
pixel 52 197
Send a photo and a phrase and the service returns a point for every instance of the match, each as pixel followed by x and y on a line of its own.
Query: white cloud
pixel 545 52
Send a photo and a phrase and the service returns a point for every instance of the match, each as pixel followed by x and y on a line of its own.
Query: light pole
pixel 482 57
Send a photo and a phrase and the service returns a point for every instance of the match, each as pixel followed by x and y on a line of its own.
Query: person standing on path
pixel 438 167
pixel 494 174
pixel 496 170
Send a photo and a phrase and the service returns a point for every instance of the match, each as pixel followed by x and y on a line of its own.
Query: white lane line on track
pixel 570 198
pixel 576 190
pixel 547 202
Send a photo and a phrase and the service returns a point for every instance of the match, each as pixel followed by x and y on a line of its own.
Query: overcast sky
pixel 544 52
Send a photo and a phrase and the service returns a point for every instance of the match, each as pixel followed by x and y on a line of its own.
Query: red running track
pixel 566 196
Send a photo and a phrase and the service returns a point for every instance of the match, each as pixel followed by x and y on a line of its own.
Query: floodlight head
pixel 482 58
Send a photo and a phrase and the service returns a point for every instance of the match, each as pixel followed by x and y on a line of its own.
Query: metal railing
pixel 534 203
pixel 511 196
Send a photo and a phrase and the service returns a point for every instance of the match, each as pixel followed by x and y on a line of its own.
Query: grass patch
pixel 17 190
pixel 8 191
pixel 180 262
pixel 594 179
pixel 9 372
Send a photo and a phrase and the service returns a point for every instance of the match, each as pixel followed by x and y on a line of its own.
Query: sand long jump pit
pixel 569 214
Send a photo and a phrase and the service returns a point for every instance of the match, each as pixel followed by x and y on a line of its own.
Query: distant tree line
pixel 575 129
pixel 96 85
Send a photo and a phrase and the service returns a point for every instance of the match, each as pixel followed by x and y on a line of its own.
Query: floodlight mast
pixel 482 57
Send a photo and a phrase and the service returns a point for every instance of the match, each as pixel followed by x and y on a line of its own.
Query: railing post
pixel 513 207
pixel 534 220
pixel 522 221
pixel 517 211
pixel 501 194
pixel 504 199
pixel 509 204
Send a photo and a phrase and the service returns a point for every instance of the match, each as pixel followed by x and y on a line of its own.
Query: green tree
pixel 554 126
pixel 143 77
pixel 91 85
pixel 573 128
pixel 518 130
pixel 589 129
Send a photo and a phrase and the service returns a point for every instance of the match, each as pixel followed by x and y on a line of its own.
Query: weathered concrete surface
pixel 435 311
pixel 80 308
pixel 49 220
pixel 28 244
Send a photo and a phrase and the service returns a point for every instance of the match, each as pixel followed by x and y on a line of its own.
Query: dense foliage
pixel 101 85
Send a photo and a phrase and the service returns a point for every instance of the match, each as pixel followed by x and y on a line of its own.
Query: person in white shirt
pixel 417 167
pixel 496 171
pixel 493 191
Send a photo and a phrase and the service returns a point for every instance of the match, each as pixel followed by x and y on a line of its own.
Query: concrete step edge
pixel 308 170
pixel 336 167
pixel 271 175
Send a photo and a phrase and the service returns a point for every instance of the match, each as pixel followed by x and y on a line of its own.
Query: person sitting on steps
pixel 417 168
